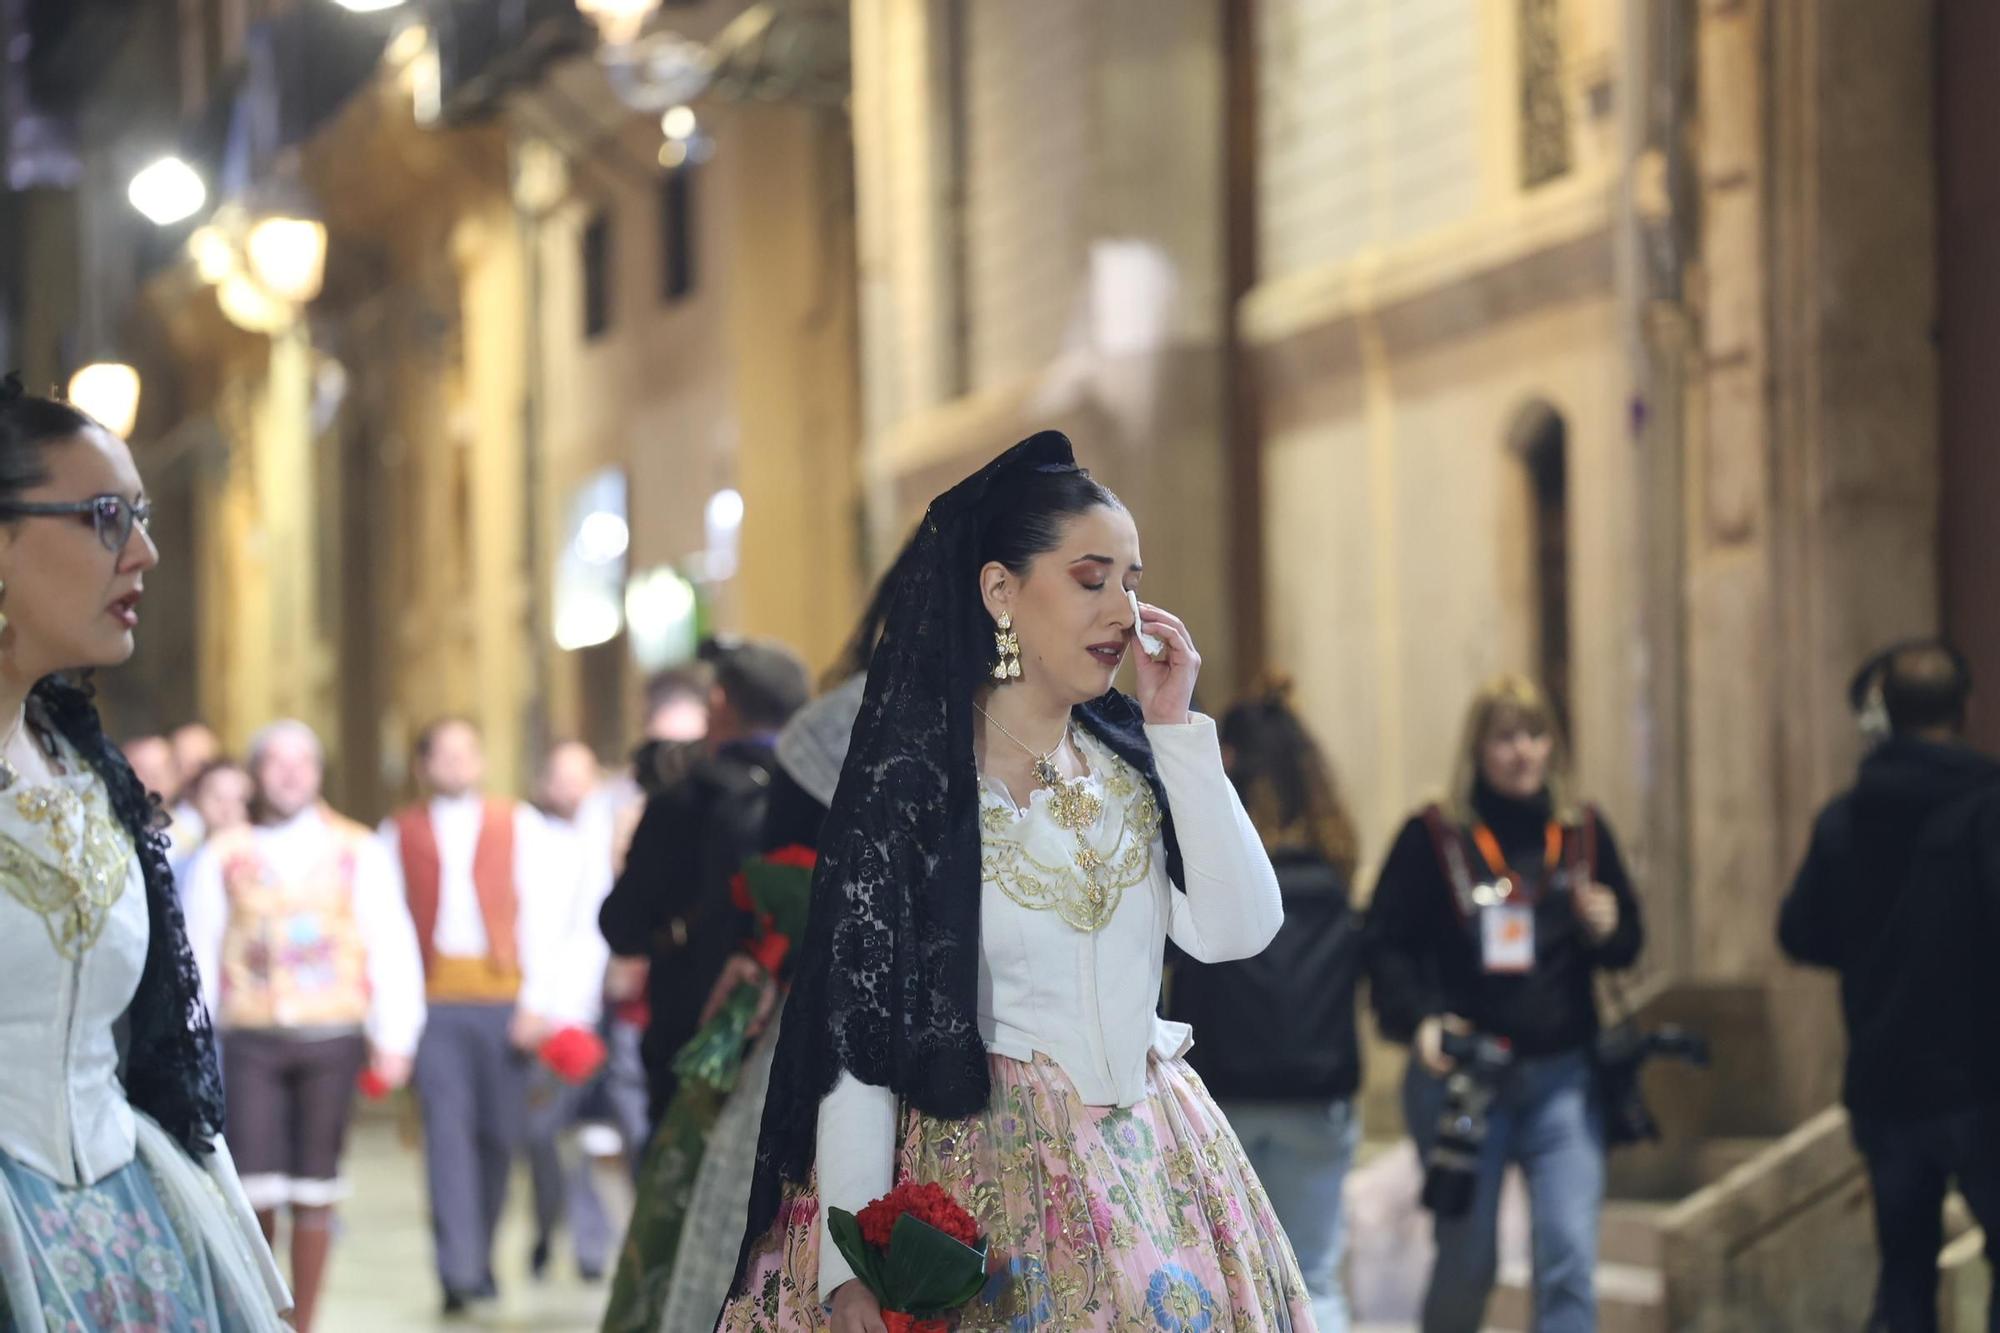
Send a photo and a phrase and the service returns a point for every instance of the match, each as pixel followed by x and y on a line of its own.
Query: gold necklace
pixel 1045 769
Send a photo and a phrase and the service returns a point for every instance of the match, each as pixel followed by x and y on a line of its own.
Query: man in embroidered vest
pixel 310 966
pixel 487 894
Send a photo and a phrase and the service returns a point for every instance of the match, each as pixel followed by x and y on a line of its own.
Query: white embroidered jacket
pixel 1086 999
pixel 73 933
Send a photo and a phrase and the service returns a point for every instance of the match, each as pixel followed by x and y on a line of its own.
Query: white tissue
pixel 1148 644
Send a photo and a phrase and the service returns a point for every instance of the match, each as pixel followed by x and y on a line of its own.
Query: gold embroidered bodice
pixel 71 870
pixel 1078 846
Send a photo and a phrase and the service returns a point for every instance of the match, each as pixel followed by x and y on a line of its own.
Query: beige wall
pixel 1082 125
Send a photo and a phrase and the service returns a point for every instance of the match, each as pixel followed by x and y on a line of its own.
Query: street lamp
pixel 288 257
pixel 618 21
pixel 109 392
pixel 168 191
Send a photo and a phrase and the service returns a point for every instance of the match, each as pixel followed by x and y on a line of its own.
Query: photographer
pixel 1491 917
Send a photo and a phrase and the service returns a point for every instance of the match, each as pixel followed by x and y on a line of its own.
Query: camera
pixel 1451 1167
pixel 1622 1052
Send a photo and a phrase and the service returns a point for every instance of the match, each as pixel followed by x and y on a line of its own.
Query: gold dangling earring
pixel 1009 645
pixel 3 614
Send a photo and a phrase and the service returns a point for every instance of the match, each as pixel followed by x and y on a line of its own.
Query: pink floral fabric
pixel 1146 1220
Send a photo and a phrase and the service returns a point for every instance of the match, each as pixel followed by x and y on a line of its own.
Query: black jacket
pixel 1898 894
pixel 1280 1026
pixel 1424 955
pixel 672 904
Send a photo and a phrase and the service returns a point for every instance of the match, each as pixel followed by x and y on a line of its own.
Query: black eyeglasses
pixel 112 515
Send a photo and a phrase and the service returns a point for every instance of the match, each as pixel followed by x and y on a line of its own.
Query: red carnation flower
pixel 928 1203
pixel 795 855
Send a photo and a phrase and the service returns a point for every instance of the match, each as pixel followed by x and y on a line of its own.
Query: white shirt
pixel 583 845
pixel 545 889
pixel 381 915
pixel 1088 1000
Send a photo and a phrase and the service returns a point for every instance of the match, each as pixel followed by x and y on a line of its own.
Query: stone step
pixel 1630 1233
pixel 1630 1299
pixel 1716 1158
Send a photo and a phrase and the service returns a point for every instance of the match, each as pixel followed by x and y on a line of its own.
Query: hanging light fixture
pixel 288 256
pixel 109 392
pixel 168 191
pixel 619 22
pixel 249 307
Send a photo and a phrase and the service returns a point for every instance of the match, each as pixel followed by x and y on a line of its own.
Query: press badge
pixel 1507 938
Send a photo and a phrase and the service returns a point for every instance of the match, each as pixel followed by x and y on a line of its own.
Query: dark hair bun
pixel 11 387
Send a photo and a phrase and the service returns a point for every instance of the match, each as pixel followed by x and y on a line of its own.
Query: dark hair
pixel 224 764
pixel 1283 777
pixel 427 738
pixel 765 682
pixel 687 681
pixel 1025 518
pixel 170 1070
pixel 1021 517
pixel 1925 687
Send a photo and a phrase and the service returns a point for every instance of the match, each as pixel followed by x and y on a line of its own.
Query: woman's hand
pixel 1597 909
pixel 1166 686
pixel 742 970
pixel 855 1310
pixel 1430 1041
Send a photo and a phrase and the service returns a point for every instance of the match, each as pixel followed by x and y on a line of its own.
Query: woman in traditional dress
pixel 119 1207
pixel 1010 847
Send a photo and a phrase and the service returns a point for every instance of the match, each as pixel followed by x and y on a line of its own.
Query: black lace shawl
pixel 887 983
pixel 170 1068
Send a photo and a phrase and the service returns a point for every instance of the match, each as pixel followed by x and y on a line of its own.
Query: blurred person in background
pixel 1492 916
pixel 195 747
pixel 310 966
pixel 152 760
pixel 680 1251
pixel 1900 895
pixel 671 902
pixel 569 777
pixel 676 724
pixel 220 797
pixel 1274 1035
pixel 489 896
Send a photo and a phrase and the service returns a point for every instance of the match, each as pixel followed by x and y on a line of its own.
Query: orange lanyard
pixel 1496 860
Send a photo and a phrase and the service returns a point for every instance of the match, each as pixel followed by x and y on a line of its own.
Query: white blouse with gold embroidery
pixel 73 934
pixel 1073 928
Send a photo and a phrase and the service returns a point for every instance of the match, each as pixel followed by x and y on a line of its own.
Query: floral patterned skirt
pixel 1147 1219
pixel 152 1246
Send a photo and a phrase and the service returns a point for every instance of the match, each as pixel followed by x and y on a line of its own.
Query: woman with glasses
pixel 119 1207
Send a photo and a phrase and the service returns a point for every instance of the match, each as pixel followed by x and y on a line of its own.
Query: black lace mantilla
pixel 170 1068
pixel 887 983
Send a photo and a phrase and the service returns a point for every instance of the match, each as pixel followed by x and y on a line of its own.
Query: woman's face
pixel 1070 610
pixel 1514 756
pixel 223 800
pixel 70 603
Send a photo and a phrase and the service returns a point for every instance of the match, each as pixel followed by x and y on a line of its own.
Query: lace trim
pixel 75 893
pixel 1086 889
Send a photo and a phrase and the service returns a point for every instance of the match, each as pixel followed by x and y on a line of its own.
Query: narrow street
pixel 382 1280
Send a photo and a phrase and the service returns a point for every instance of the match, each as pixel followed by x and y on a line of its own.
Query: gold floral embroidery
pixel 74 892
pixel 1086 890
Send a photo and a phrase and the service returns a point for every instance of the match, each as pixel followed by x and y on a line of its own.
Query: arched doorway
pixel 1539 438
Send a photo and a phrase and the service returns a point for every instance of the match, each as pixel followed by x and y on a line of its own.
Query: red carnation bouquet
pixel 918 1250
pixel 776 890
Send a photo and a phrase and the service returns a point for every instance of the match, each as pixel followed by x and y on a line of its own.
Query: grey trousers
pixel 564 1192
pixel 472 1086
